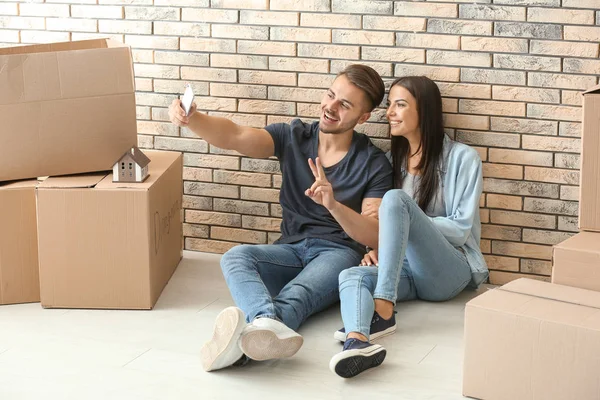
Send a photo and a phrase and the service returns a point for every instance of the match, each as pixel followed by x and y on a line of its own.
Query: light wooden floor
pixel 95 354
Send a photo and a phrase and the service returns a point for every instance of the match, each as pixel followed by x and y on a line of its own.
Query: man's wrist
pixel 335 205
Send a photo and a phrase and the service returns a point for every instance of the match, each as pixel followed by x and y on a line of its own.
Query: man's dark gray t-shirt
pixel 364 172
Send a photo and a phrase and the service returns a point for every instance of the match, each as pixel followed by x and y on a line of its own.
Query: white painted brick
pixel 9 36
pixel 561 81
pixel 152 42
pixel 31 37
pixel 300 5
pixel 241 4
pixel 181 28
pixel 22 23
pixel 95 11
pixel 209 15
pixel 238 90
pixel 143 56
pixel 240 32
pixel 393 54
pixel 325 21
pixel 140 27
pixel 301 34
pixel 363 37
pixel 151 13
pixel 528 63
pixel 267 77
pixel 460 27
pixel 9 9
pixel 428 40
pixel 447 74
pixel 43 10
pixel 208 74
pixel 181 58
pixel 266 47
pixel 564 48
pixel 156 71
pixel 328 51
pixel 208 45
pixel 493 13
pixel 421 9
pixel 297 64
pixel 269 18
pixel 72 24
pixel 238 61
pixel 383 69
pixel 183 3
pixel 500 45
pixel 396 23
pixel 459 58
pixel 362 6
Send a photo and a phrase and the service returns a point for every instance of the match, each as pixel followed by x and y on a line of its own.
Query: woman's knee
pixel 355 274
pixel 396 198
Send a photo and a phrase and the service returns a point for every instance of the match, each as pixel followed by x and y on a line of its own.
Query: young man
pixel 278 286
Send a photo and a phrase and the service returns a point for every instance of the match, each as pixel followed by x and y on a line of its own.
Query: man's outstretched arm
pixel 223 133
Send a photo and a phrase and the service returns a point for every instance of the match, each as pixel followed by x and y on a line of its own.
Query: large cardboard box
pixel 589 192
pixel 577 261
pixel 19 275
pixel 65 108
pixel 110 245
pixel 532 340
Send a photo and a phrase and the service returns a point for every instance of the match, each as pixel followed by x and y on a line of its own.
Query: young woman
pixel 429 227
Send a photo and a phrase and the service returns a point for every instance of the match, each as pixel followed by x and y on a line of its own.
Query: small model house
pixel 132 167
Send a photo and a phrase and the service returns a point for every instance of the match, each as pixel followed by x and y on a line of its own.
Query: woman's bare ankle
pixel 356 335
pixel 384 308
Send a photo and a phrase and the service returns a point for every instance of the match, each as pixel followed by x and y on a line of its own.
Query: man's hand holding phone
pixel 180 111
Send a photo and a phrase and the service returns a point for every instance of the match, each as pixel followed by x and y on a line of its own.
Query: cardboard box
pixel 110 245
pixel 577 261
pixel 65 108
pixel 532 340
pixel 589 192
pixel 19 275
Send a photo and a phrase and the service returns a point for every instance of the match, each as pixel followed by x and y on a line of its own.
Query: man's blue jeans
pixel 415 261
pixel 288 282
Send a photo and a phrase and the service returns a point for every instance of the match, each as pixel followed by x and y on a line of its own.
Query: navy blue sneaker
pixel 357 356
pixel 379 328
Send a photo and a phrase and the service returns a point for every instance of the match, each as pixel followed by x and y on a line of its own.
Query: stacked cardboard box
pixel 69 108
pixel 577 260
pixel 535 340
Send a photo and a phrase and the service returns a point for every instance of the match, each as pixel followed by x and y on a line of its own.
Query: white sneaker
pixel 266 339
pixel 223 349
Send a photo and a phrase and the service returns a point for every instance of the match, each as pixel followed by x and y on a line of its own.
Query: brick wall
pixel 510 71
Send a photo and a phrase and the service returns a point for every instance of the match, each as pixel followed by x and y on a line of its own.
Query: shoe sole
pixel 341 336
pixel 223 349
pixel 264 344
pixel 350 365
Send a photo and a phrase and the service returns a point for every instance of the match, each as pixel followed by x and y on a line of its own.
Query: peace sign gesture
pixel 321 191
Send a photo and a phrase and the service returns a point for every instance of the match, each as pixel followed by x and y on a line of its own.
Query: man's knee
pixel 235 255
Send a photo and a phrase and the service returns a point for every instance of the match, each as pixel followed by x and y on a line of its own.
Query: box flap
pixel 588 242
pixel 595 89
pixel 160 161
pixel 19 184
pixel 73 181
pixel 551 291
pixel 60 46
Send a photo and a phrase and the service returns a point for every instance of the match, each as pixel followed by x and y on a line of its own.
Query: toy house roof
pixel 138 156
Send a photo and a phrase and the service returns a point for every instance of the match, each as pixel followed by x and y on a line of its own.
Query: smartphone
pixel 188 99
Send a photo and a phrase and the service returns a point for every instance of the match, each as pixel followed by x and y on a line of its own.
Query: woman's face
pixel 402 113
